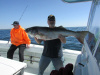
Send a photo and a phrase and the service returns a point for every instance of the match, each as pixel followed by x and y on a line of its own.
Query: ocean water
pixel 71 42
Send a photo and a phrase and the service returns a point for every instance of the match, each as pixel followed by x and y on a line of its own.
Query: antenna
pixel 23 13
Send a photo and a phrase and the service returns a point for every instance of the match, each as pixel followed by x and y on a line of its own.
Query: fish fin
pixel 61 26
pixel 81 35
pixel 31 36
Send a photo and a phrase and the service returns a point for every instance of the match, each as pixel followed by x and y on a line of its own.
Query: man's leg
pixel 58 62
pixel 11 51
pixel 21 52
pixel 44 62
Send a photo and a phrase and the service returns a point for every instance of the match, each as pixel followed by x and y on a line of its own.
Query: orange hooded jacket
pixel 19 36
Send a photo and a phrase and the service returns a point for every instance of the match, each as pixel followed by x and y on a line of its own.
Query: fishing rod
pixel 23 13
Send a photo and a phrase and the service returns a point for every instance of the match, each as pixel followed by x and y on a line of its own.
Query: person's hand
pixel 27 46
pixel 62 38
pixel 40 35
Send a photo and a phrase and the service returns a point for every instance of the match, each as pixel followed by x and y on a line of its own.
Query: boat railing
pixel 32 55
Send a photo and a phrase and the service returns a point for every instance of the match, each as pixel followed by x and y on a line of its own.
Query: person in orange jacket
pixel 19 39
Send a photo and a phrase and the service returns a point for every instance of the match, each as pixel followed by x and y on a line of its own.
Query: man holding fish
pixel 52 50
pixel 53 38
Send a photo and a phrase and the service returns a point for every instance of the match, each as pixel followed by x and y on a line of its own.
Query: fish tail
pixel 81 35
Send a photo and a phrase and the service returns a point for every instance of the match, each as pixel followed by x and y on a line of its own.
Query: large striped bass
pixel 48 33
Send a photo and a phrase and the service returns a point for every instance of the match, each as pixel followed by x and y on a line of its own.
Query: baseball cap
pixel 51 18
pixel 15 23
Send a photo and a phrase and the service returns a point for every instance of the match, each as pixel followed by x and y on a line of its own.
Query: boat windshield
pixel 93 38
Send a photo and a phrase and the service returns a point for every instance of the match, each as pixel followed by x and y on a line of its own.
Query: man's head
pixel 51 21
pixel 16 24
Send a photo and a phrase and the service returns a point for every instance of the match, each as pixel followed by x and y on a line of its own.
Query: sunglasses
pixel 14 25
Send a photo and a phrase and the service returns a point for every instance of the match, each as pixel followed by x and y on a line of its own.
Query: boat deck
pixel 32 56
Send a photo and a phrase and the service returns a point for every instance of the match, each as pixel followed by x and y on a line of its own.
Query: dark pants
pixel 12 50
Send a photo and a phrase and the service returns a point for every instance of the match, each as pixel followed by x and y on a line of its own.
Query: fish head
pixel 31 31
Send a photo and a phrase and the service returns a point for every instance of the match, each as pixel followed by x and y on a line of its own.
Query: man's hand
pixel 27 46
pixel 62 38
pixel 40 35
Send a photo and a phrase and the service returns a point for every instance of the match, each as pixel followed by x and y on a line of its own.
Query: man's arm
pixel 27 39
pixel 62 38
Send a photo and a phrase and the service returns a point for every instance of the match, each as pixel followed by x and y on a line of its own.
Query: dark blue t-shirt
pixel 52 48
